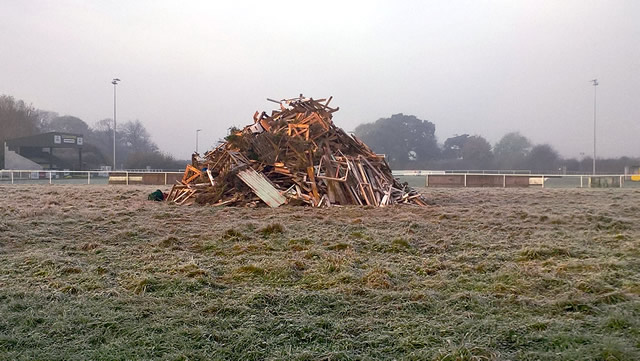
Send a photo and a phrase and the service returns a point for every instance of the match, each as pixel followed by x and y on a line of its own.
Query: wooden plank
pixel 187 178
pixel 335 190
pixel 314 187
pixel 210 177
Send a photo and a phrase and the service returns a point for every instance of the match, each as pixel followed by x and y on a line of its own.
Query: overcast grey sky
pixel 478 67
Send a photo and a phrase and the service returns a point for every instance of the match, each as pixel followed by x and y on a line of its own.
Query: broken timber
pixel 294 155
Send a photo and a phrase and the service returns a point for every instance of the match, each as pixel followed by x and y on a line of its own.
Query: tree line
pixel 410 143
pixel 134 146
pixel 407 142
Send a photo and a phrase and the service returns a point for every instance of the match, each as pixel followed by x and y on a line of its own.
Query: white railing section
pixel 414 177
pixel 75 177
pixel 541 180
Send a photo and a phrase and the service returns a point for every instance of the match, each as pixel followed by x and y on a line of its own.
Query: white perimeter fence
pixel 86 177
pixel 415 178
pixel 423 178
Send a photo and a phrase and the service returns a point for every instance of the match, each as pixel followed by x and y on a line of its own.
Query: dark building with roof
pixel 39 151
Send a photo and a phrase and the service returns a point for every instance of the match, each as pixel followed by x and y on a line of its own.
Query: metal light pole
pixel 595 84
pixel 197 131
pixel 114 82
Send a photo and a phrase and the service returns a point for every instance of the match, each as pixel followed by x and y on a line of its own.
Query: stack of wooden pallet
pixel 294 155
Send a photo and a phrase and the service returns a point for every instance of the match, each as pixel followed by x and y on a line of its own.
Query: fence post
pixel 504 181
pixel 426 180
pixel 165 178
pixel 465 180
pixel 49 177
pixel 621 180
pixel 88 177
pixel 581 186
pixel 11 177
pixel 542 181
pixel 127 173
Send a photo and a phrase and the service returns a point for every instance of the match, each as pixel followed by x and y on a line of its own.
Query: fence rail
pixel 505 180
pixel 85 177
pixel 416 178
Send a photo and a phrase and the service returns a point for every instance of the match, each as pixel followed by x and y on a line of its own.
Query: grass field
pixel 100 273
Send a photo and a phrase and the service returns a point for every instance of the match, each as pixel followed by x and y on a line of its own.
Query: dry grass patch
pixel 100 273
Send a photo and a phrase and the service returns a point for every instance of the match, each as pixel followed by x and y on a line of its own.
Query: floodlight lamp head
pixel 115 81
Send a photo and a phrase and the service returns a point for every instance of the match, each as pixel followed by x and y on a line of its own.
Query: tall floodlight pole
pixel 595 84
pixel 197 131
pixel 114 82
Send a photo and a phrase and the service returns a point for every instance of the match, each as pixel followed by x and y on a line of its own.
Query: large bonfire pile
pixel 296 155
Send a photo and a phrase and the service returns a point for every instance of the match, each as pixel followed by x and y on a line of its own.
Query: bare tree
pixel 67 124
pixel 136 137
pixel 17 119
